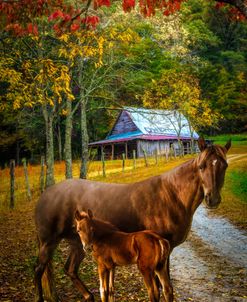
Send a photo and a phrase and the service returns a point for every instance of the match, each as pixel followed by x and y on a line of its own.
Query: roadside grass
pixel 234 193
pixel 239 142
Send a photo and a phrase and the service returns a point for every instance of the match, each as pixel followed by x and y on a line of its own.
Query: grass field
pixel 234 192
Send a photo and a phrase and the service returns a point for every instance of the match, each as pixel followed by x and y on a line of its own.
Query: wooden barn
pixel 145 130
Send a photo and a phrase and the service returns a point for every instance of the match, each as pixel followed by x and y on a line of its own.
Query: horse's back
pixel 54 214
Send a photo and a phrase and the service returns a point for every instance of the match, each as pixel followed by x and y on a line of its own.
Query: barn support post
pixel 134 159
pixel 126 150
pixel 12 184
pixel 29 195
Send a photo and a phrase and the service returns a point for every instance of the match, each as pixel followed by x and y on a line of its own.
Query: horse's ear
pixel 202 144
pixel 228 145
pixel 90 214
pixel 77 215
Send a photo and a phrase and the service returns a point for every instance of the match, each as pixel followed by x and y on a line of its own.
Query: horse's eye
pixel 200 167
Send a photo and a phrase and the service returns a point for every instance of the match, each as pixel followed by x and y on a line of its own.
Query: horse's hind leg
pixel 149 280
pixel 72 265
pixel 45 255
pixel 164 278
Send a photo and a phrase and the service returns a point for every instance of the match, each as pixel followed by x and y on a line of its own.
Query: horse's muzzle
pixel 212 202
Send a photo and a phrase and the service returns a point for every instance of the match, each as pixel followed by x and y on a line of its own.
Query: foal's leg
pixel 45 255
pixel 72 265
pixel 111 285
pixel 164 278
pixel 104 274
pixel 149 280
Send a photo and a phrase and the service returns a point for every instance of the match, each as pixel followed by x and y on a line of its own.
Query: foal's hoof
pixel 90 298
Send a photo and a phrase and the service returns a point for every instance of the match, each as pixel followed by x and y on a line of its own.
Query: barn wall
pixel 151 146
pixel 124 124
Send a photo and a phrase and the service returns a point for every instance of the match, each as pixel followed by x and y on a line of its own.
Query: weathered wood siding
pixel 151 146
pixel 124 124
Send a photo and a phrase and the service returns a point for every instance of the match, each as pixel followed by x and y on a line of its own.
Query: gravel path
pixel 211 265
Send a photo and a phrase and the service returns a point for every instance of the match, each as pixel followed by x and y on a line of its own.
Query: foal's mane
pixel 102 228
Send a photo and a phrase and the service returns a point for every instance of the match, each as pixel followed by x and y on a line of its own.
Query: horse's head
pixel 212 166
pixel 84 226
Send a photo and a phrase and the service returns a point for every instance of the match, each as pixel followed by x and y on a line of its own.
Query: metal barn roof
pixel 152 124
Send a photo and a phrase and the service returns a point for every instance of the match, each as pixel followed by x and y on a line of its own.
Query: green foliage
pixel 238 181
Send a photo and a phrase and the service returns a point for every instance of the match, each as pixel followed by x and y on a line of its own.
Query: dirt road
pixel 211 265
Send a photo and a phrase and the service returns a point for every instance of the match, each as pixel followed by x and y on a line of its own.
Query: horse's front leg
pixel 111 285
pixel 72 265
pixel 104 274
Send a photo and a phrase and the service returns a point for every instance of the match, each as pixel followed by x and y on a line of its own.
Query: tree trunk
pixel 12 184
pixel 84 139
pixel 59 140
pixel 67 144
pixel 49 151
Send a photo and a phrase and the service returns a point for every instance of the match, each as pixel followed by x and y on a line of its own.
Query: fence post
pixel 123 164
pixel 156 156
pixel 42 174
pixel 103 163
pixel 134 159
pixel 29 195
pixel 12 183
pixel 145 157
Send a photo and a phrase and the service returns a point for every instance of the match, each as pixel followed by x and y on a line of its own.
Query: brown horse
pixel 164 204
pixel 113 248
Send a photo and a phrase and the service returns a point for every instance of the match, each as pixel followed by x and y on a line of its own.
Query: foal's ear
pixel 228 145
pixel 77 215
pixel 202 144
pixel 90 213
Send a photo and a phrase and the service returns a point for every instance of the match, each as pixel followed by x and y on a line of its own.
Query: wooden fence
pixel 20 183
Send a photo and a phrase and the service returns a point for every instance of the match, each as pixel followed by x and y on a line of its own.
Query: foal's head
pixel 84 226
pixel 212 166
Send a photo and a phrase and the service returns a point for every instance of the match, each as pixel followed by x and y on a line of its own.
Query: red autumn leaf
pixel 66 17
pixel 57 14
pixel 74 27
pixel 128 5
pixel 92 21
pixel 30 28
pixel 99 3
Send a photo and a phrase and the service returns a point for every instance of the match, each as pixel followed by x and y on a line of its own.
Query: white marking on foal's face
pixel 214 162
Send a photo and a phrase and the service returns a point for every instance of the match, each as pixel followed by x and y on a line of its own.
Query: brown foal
pixel 113 248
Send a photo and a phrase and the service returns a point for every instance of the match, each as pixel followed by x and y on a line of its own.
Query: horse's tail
pixel 48 284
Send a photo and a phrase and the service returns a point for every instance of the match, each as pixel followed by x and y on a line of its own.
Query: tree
pixel 180 92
